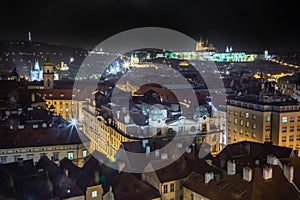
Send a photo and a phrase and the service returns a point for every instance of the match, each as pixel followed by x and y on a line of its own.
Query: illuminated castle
pixel 201 46
pixel 36 72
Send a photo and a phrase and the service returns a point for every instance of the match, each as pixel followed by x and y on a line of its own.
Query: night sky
pixel 244 24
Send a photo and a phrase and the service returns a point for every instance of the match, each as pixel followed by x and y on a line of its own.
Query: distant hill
pixel 23 53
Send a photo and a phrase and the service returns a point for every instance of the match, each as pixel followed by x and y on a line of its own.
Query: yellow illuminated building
pixel 104 138
pixel 264 122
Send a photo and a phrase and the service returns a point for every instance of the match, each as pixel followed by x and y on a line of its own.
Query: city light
pixel 126 64
pixel 73 122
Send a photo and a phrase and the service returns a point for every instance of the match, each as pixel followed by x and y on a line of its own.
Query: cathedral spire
pixel 29 36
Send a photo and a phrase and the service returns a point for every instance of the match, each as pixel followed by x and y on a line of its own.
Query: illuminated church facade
pixel 36 72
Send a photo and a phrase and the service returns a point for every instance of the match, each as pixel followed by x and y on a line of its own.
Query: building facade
pixel 264 121
pixel 30 134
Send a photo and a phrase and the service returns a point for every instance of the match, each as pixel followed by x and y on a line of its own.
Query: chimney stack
pixel 121 166
pixel 157 153
pixel 272 160
pixel 144 143
pixel 247 174
pixel 208 177
pixel 164 156
pixel 231 167
pixel 267 173
pixel 288 171
pixel 67 172
pixel 148 150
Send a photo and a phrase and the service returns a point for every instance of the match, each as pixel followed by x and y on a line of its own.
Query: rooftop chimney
pixel 164 156
pixel 208 177
pixel 126 118
pixel 67 172
pixel 148 150
pixel 231 167
pixel 288 171
pixel 121 166
pixel 144 143
pixel 272 160
pixel 157 152
pixel 267 173
pixel 247 174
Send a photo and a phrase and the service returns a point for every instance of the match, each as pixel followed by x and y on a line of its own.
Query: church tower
pixel 36 72
pixel 48 74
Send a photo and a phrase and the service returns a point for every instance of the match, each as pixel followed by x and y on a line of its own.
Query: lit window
pixel 70 155
pixel 55 156
pixel 172 187
pixel 267 137
pixel 253 135
pixel 283 138
pixel 241 114
pixel 284 129
pixel 291 128
pixel 165 188
pixel 247 133
pixel 192 196
pixel 17 158
pixel 247 124
pixel 94 194
pixel 284 119
pixel 254 126
pixel 241 131
pixel 298 137
pixel 292 119
pixel 235 120
pixel 30 157
pixel 67 109
pixel 267 128
pixel 291 138
pixel 241 122
pixel 247 115
pixel 3 160
pixel 254 117
pixel 84 153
